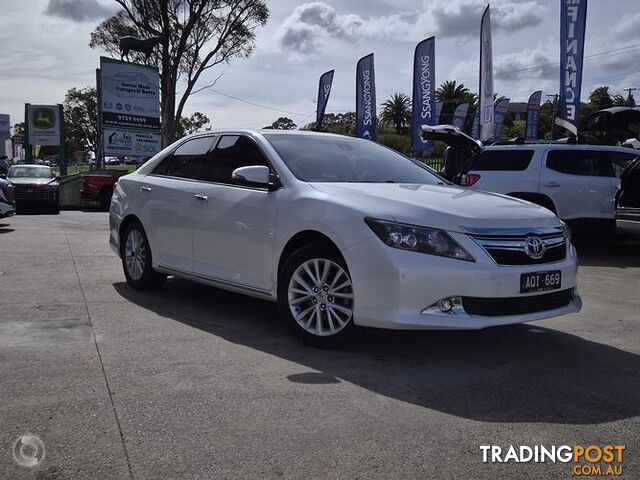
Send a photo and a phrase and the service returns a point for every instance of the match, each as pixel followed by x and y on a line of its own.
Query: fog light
pixel 445 305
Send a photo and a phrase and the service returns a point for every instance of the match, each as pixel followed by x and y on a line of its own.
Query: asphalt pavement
pixel 194 382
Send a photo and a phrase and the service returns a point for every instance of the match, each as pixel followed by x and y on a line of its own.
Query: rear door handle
pixel 201 197
pixel 145 189
pixel 551 184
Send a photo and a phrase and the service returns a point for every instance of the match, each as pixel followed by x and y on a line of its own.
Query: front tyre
pixel 315 296
pixel 136 260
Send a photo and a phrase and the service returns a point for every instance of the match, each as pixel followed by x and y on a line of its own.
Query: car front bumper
pixel 399 289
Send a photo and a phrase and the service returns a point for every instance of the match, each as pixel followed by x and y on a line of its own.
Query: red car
pixel 99 186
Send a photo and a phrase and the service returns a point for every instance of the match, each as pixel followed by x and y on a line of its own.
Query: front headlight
pixel 418 239
pixel 567 230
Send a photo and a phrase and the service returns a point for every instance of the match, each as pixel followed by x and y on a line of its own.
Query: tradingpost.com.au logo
pixel 586 460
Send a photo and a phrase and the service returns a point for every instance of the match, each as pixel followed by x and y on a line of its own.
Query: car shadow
pixel 523 373
pixel 5 230
pixel 619 251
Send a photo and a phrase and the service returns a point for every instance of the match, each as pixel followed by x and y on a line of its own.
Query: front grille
pixel 496 307
pixel 508 247
pixel 25 192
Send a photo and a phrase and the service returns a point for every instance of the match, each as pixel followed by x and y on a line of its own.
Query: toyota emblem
pixel 534 247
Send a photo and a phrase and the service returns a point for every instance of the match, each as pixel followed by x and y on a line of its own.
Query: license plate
pixel 540 281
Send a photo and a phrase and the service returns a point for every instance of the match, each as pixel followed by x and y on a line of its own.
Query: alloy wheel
pixel 135 254
pixel 320 297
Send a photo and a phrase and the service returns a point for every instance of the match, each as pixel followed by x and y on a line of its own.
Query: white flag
pixel 486 79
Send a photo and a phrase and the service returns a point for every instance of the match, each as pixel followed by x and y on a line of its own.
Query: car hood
pixel 442 206
pixel 32 181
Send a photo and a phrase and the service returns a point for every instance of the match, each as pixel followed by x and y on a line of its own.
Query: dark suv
pixel 36 187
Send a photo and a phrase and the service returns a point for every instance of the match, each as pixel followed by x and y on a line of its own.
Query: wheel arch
pixel 537 198
pixel 302 238
pixel 126 221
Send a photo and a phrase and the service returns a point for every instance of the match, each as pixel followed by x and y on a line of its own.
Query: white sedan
pixel 342 233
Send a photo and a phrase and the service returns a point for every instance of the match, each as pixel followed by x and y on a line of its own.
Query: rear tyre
pixel 136 259
pixel 315 296
pixel 105 198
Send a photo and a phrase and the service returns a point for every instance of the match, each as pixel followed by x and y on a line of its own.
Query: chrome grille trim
pixel 504 245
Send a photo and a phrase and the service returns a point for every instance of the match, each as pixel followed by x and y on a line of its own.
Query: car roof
pixel 23 165
pixel 264 131
pixel 561 146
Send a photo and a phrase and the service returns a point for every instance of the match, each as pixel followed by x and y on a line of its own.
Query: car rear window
pixel 506 160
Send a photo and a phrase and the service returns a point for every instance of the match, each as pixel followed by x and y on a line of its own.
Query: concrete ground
pixel 194 382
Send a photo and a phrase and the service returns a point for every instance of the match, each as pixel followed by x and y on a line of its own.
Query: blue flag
pixel 438 111
pixel 366 98
pixel 533 117
pixel 460 115
pixel 500 114
pixel 573 17
pixel 424 93
pixel 324 89
pixel 475 125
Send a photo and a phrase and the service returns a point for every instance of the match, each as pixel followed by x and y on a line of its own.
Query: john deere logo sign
pixel 44 124
pixel 43 118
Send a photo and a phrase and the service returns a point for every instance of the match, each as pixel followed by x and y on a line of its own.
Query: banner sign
pixel 533 117
pixel 460 115
pixel 500 114
pixel 324 89
pixel 438 112
pixel 130 95
pixel 43 124
pixel 573 17
pixel 475 124
pixel 424 93
pixel 486 78
pixel 125 143
pixel 5 135
pixel 366 98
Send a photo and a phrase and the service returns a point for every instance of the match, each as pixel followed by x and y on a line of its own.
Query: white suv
pixel 574 181
pixel 341 232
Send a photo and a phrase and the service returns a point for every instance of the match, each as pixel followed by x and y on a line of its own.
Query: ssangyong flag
pixel 324 89
pixel 475 125
pixel 460 115
pixel 533 116
pixel 424 93
pixel 500 114
pixel 573 17
pixel 366 98
pixel 486 78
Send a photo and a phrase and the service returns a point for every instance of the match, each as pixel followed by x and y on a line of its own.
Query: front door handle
pixel 201 197
pixel 145 189
pixel 551 184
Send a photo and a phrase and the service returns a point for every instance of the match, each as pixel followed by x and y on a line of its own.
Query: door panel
pixel 580 183
pixel 233 227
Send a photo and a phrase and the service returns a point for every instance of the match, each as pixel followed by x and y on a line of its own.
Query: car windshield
pixel 332 158
pixel 29 172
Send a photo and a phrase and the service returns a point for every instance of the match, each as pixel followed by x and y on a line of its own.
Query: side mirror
pixel 254 175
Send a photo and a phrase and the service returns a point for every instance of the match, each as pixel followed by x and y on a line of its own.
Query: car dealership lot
pixel 195 382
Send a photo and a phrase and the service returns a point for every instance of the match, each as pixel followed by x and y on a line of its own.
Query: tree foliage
pixel 452 94
pixel 80 118
pixel 396 111
pixel 198 35
pixel 197 122
pixel 283 123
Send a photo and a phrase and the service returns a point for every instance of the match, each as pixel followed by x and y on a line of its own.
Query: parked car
pixel 7 199
pixel 577 182
pixel 112 161
pixel 628 199
pixel 36 187
pixel 98 186
pixel 340 232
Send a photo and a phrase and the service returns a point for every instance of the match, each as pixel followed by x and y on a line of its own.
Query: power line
pixel 255 104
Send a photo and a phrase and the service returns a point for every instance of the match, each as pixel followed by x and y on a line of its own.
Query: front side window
pixel 232 151
pixel 332 158
pixel 581 162
pixel 187 160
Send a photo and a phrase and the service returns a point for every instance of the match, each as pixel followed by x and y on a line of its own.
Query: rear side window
pixel 581 162
pixel 232 151
pixel 504 160
pixel 187 160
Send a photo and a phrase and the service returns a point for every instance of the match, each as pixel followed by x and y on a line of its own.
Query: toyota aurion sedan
pixel 342 233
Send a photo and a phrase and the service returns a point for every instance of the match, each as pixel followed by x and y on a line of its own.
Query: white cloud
pixel 311 24
pixel 79 10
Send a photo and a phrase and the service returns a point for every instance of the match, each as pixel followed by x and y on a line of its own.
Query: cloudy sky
pixel 46 52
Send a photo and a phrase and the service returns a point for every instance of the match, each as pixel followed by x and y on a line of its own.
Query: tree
pixel 81 117
pixel 396 111
pixel 283 123
pixel 197 35
pixel 343 123
pixel 194 124
pixel 600 98
pixel 452 94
